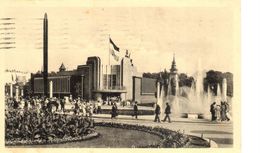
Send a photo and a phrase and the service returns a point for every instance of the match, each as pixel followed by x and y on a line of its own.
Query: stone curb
pixel 212 143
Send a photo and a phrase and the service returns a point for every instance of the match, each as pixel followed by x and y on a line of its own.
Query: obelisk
pixel 45 55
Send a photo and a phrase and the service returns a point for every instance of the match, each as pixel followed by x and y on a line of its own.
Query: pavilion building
pixel 95 81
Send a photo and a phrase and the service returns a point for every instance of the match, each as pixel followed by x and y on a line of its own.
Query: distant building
pixel 15 82
pixel 94 81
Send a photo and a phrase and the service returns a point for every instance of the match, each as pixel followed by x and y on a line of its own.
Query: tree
pixel 213 78
pixel 151 75
pixel 185 80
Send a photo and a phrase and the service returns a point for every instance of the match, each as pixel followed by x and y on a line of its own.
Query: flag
pixel 113 49
pixel 113 44
pixel 114 55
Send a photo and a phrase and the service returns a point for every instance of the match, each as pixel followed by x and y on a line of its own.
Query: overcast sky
pixel 152 35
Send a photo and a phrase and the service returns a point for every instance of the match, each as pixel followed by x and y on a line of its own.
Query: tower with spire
pixel 173 83
pixel 173 69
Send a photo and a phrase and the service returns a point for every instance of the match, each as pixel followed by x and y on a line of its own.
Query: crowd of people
pixel 33 119
pixel 77 106
pixel 220 112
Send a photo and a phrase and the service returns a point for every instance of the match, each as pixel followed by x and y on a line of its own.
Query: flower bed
pixel 78 128
pixel 54 141
pixel 27 127
pixel 169 138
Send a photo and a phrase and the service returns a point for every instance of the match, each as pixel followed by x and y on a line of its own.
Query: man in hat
pixel 167 112
pixel 213 111
pixel 135 110
pixel 157 113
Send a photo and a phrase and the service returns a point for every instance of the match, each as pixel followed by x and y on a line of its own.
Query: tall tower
pixel 45 55
pixel 173 79
pixel 173 69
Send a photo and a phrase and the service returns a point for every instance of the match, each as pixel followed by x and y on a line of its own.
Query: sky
pixel 151 34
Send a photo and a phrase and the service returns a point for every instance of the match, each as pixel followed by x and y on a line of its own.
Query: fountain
pixel 189 102
pixel 224 89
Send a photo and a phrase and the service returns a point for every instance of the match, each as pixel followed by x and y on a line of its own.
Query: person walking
pixel 91 111
pixel 113 111
pixel 213 111
pixel 228 116
pixel 62 105
pixel 167 112
pixel 76 108
pixel 223 111
pixel 135 110
pixel 157 113
pixel 99 107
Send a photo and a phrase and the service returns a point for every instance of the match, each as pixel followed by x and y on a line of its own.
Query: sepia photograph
pixel 120 77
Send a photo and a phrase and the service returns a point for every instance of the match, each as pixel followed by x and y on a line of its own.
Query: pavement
pixel 219 132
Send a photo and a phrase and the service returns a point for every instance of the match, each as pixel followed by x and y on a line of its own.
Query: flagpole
pixel 107 78
pixel 111 77
pixel 108 60
pixel 120 77
pixel 108 49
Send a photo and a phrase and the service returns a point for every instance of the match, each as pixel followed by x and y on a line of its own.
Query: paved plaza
pixel 221 133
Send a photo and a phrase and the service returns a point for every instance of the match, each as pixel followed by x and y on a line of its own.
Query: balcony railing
pixel 114 88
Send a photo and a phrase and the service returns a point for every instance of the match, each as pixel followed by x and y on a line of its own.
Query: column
pixel 158 91
pixel 101 79
pixel 16 93
pixel 51 89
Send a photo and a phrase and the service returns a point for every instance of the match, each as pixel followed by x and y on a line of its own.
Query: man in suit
pixel 157 113
pixel 213 111
pixel 167 112
pixel 113 111
pixel 135 110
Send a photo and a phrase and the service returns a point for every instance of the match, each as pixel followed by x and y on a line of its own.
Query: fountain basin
pixel 193 115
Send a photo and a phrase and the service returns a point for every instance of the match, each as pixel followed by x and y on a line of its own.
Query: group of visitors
pixel 77 106
pixel 167 112
pixel 220 112
pixel 32 123
pixel 86 108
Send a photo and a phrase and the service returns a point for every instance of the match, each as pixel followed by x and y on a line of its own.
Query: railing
pixel 114 87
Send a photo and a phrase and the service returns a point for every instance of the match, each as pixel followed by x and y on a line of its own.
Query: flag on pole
pixel 113 49
pixel 114 45
pixel 114 55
